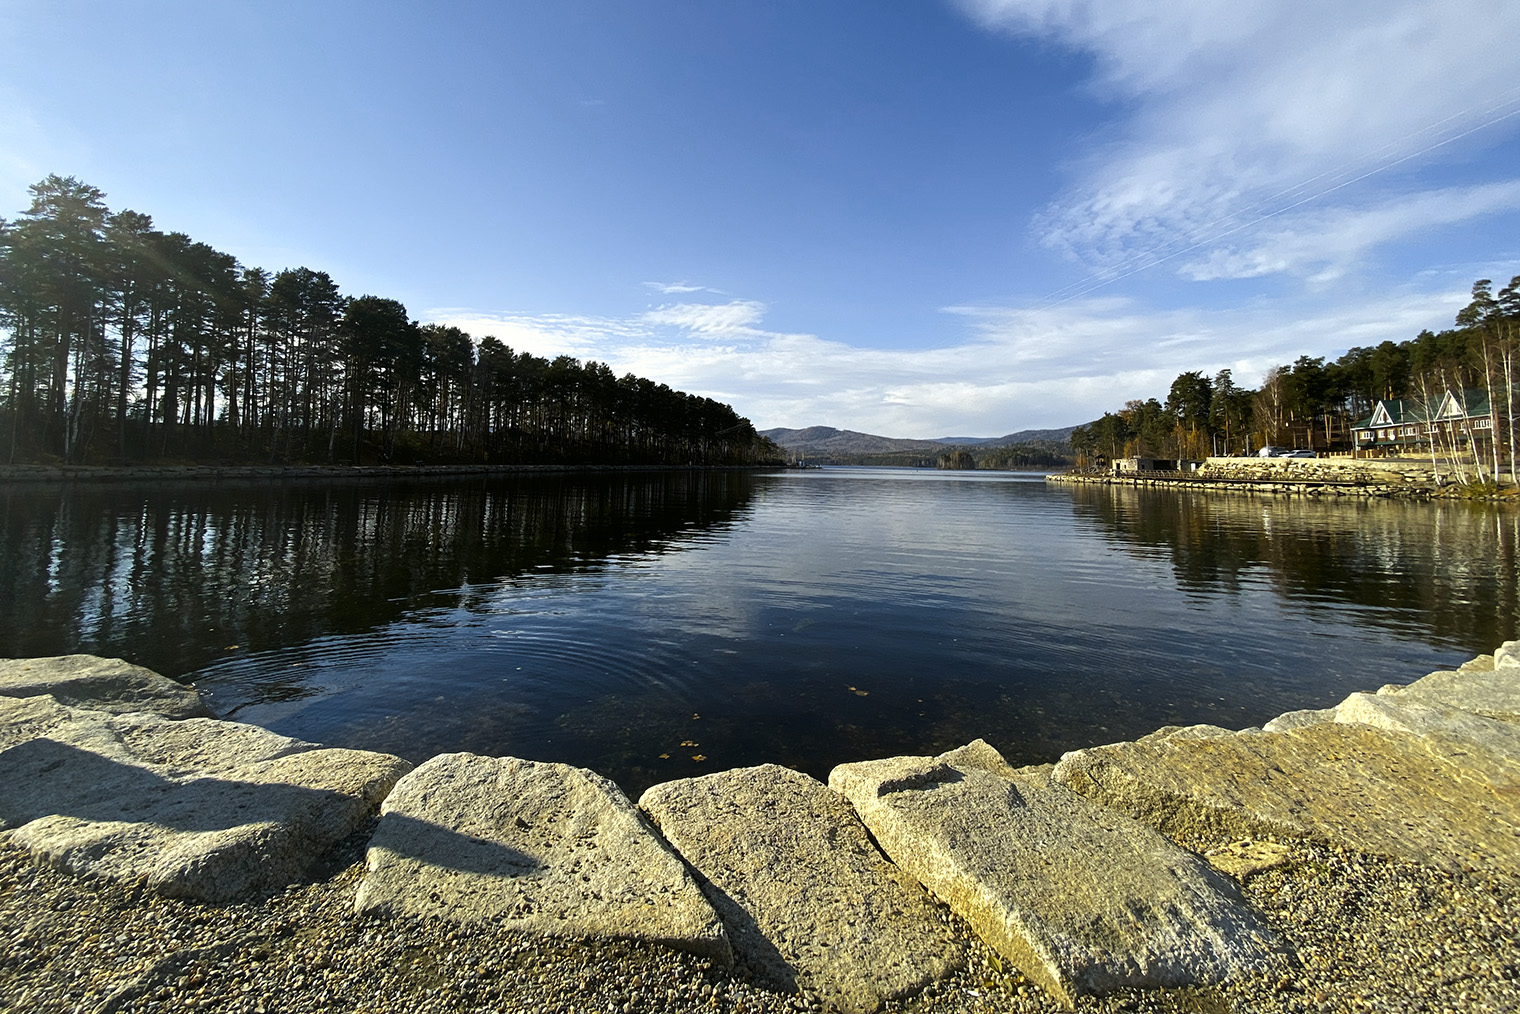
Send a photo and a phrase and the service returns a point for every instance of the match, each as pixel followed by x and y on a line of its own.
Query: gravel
pixel 1364 933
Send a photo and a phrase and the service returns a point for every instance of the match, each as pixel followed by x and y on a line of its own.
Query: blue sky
pixel 910 218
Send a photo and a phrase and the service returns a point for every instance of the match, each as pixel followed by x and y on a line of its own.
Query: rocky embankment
pixel 1365 856
pixel 1363 477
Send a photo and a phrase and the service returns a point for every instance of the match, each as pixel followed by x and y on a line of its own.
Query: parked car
pixel 1271 452
pixel 1298 454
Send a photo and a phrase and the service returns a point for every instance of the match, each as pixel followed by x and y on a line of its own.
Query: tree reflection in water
pixel 661 625
pixel 1444 571
pixel 173 579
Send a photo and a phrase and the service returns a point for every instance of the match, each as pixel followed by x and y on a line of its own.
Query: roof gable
pixel 1471 403
pixel 1463 404
pixel 1397 412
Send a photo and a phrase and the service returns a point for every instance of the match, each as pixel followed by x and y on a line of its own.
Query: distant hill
pixel 827 445
pixel 1061 435
pixel 821 440
pixel 1057 436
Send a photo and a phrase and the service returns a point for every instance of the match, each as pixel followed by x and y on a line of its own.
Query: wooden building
pixel 1458 420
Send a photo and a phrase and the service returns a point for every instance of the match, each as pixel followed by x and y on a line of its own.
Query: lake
pixel 657 625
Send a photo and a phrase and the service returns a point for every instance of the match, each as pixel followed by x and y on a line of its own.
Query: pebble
pixel 1364 933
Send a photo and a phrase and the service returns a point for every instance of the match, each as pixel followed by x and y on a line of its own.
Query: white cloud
pixel 1244 109
pixel 1323 244
pixel 676 288
pixel 1253 139
pixel 727 320
pixel 1012 369
pixel 546 335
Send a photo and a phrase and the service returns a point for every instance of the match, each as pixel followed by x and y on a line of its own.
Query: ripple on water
pixel 804 618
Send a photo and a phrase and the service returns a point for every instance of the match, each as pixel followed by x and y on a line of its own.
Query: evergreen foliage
pixel 119 342
pixel 1315 404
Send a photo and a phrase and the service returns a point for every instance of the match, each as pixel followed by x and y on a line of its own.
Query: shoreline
pixel 1304 487
pixel 42 474
pixel 1361 930
pixel 1365 934
pixel 1384 478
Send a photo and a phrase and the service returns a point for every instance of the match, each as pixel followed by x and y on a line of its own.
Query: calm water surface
pixel 654 626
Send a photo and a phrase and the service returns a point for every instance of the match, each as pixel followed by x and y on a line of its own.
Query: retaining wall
pixel 1358 477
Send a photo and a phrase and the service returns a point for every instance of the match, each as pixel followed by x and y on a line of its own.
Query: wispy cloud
pixel 726 320
pixel 1256 139
pixel 547 334
pixel 1237 113
pixel 1322 245
pixel 677 288
pixel 1010 368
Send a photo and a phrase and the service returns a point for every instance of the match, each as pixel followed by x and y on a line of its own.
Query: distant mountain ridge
pixel 829 446
pixel 826 441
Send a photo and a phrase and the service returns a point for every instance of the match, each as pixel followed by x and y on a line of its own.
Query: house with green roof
pixel 1405 425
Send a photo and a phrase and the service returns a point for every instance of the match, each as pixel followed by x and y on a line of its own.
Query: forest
pixel 121 343
pixel 1005 457
pixel 1314 403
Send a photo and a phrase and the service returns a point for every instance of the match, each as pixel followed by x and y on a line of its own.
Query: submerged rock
pixel 1082 899
pixel 809 902
pixel 196 808
pixel 103 684
pixel 540 848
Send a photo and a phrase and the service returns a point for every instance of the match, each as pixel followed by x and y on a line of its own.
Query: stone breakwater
pixel 1334 477
pixel 1071 873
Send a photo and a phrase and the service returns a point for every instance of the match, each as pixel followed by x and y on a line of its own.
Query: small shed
pixel 1124 465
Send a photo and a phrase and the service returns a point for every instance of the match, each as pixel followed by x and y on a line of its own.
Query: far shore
pixel 1407 478
pixel 220 473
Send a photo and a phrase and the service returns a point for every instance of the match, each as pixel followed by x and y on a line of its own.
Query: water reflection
pixel 663 625
pixel 174 579
pixel 1443 571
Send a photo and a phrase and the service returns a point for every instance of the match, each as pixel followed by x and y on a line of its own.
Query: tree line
pixel 121 342
pixel 1315 403
pixel 1004 457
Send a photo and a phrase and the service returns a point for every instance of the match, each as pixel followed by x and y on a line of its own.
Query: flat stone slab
pixel 1242 859
pixel 1477 687
pixel 1081 899
pixel 1470 717
pixel 103 684
pixel 539 848
pixel 1441 798
pixel 1416 715
pixel 1290 720
pixel 196 808
pixel 1428 717
pixel 1507 655
pixel 1493 692
pixel 808 901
